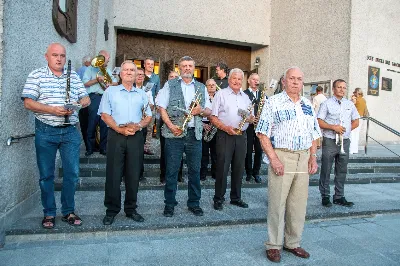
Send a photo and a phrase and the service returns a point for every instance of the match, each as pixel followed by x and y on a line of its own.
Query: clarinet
pixel 68 90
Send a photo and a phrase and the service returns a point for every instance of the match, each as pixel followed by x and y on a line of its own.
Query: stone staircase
pixel 373 182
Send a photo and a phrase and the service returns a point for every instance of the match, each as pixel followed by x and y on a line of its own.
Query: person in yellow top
pixel 361 106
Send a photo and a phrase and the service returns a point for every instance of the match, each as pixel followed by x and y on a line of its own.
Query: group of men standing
pixel 286 132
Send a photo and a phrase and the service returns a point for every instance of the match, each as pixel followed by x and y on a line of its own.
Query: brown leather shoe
pixel 274 255
pixel 299 252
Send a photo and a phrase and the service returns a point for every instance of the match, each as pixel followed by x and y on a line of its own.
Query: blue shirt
pixel 155 79
pixel 46 88
pixel 90 74
pixel 81 71
pixel 124 106
pixel 289 125
pixel 335 112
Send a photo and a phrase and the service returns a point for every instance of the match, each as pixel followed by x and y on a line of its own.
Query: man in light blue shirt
pixel 337 116
pixel 95 91
pixel 125 110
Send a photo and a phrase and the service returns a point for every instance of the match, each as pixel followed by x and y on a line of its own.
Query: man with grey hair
pixel 229 116
pixel 92 83
pixel 288 130
pixel 174 103
pixel 125 110
pixel 208 146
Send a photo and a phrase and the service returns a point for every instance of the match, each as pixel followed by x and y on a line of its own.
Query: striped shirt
pixel 46 88
pixel 333 111
pixel 289 125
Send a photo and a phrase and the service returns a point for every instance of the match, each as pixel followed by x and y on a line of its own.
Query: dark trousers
pixel 144 132
pixel 331 153
pixel 93 120
pixel 174 149
pixel 231 151
pixel 162 158
pixel 208 149
pixel 83 123
pixel 124 156
pixel 253 140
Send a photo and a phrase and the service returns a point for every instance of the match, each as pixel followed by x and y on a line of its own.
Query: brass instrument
pixel 188 113
pixel 339 137
pixel 260 104
pixel 244 114
pixel 99 61
pixel 208 135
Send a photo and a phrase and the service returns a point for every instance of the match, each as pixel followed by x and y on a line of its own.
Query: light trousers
pixel 287 200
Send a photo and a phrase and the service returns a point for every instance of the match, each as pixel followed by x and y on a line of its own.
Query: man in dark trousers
pixel 253 170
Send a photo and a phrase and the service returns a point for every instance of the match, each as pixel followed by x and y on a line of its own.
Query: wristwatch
pixel 314 154
pixel 202 113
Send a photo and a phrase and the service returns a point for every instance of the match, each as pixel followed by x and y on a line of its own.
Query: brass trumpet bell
pixel 99 62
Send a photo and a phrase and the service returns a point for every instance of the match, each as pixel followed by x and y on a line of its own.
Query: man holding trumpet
pixel 337 117
pixel 182 103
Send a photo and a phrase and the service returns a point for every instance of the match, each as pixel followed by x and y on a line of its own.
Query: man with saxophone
pixel 139 85
pixel 184 99
pixel 288 130
pixel 95 86
pixel 208 145
pixel 252 141
pixel 44 94
pixel 232 110
pixel 337 117
pixel 122 108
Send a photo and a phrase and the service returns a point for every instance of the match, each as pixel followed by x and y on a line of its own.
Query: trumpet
pixel 99 61
pixel 188 113
pixel 244 114
pixel 339 140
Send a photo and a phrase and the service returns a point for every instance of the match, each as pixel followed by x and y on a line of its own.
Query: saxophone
pixel 209 135
pixel 244 114
pixel 260 104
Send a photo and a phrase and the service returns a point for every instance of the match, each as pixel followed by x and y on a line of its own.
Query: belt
pixel 63 126
pixel 95 93
pixel 287 150
pixel 190 128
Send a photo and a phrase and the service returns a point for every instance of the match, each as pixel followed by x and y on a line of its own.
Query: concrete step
pixel 369 199
pixel 155 159
pixel 152 170
pixel 153 183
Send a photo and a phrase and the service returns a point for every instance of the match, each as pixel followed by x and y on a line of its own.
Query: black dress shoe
pixel 136 217
pixel 88 153
pixel 218 205
pixel 248 178
pixel 108 220
pixel 142 179
pixel 196 211
pixel 203 178
pixel 326 202
pixel 240 203
pixel 103 152
pixel 257 178
pixel 343 202
pixel 168 211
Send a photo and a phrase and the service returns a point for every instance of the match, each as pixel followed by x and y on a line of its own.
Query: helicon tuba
pixel 99 61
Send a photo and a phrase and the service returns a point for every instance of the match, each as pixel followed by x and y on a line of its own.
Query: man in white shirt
pixel 316 103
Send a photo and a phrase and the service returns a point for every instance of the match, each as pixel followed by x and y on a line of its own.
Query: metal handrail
pixel 14 139
pixel 397 133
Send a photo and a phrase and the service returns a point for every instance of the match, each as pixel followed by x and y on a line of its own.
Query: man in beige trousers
pixel 288 130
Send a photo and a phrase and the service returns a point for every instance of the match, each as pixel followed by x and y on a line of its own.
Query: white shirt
pixel 188 91
pixel 317 100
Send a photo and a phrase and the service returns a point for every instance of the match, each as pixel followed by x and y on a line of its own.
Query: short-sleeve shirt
pixel 336 112
pixel 226 105
pixel 289 125
pixel 44 87
pixel 124 106
pixel 91 73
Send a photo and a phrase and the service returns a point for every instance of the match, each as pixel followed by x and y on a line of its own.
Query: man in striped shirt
pixel 44 94
pixel 288 130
